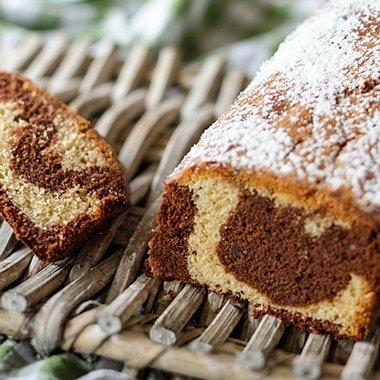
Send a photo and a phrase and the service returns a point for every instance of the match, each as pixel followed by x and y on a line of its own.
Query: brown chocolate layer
pixel 267 247
pixel 175 221
pixel 32 158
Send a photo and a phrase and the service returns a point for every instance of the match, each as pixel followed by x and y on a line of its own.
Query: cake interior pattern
pixel 279 201
pixel 59 179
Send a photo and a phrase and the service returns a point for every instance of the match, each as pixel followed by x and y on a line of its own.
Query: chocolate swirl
pixel 82 185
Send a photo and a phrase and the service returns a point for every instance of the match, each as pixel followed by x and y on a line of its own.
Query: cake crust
pixel 60 181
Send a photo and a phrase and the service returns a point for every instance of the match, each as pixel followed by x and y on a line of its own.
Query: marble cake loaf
pixel 279 201
pixel 59 180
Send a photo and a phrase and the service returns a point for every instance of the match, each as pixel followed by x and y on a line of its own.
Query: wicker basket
pixel 151 108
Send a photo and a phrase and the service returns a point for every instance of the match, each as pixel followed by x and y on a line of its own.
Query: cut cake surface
pixel 279 201
pixel 59 180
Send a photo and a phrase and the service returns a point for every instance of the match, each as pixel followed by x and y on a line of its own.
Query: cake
pixel 279 201
pixel 59 180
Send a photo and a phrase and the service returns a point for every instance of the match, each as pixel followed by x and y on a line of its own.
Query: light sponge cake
pixel 279 202
pixel 59 180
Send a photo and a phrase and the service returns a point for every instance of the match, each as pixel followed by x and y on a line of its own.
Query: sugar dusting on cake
pixel 313 110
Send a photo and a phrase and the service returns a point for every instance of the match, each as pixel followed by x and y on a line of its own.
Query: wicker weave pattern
pixel 151 109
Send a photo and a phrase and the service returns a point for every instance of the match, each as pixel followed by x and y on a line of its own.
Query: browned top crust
pixel 37 161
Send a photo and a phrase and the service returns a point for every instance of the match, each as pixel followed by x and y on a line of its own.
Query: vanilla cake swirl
pixel 279 202
pixel 59 180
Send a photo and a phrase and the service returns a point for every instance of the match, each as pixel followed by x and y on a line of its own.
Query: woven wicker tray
pixel 151 108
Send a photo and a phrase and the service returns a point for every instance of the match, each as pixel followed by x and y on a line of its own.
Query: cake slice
pixel 279 201
pixel 59 180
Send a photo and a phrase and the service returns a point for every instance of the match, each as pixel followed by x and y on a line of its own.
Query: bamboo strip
pixel 93 250
pixel 166 295
pixel 67 91
pixel 231 346
pixel 87 305
pixel 212 306
pixel 168 327
pixel 212 367
pixel 233 82
pixel 187 74
pixel 146 131
pixel 363 356
pixel 118 116
pixel 8 240
pixel 131 347
pixel 11 322
pixel 132 71
pixel 36 288
pixel 113 317
pixel 138 322
pixel 294 341
pixel 341 350
pixel 49 322
pixel 247 330
pixel 74 60
pixel 34 267
pixel 125 232
pixel 140 185
pixel 204 85
pixel 76 325
pixel 24 54
pixel 134 215
pixel 149 303
pixel 13 266
pixel 188 334
pixel 88 104
pixel 100 70
pixel 262 343
pixel 131 372
pixel 309 364
pixel 47 59
pixel 250 324
pixel 134 253
pixel 163 76
pixel 183 137
pixel 90 339
pixel 220 328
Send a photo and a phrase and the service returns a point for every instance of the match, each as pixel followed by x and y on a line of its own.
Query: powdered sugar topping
pixel 313 110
